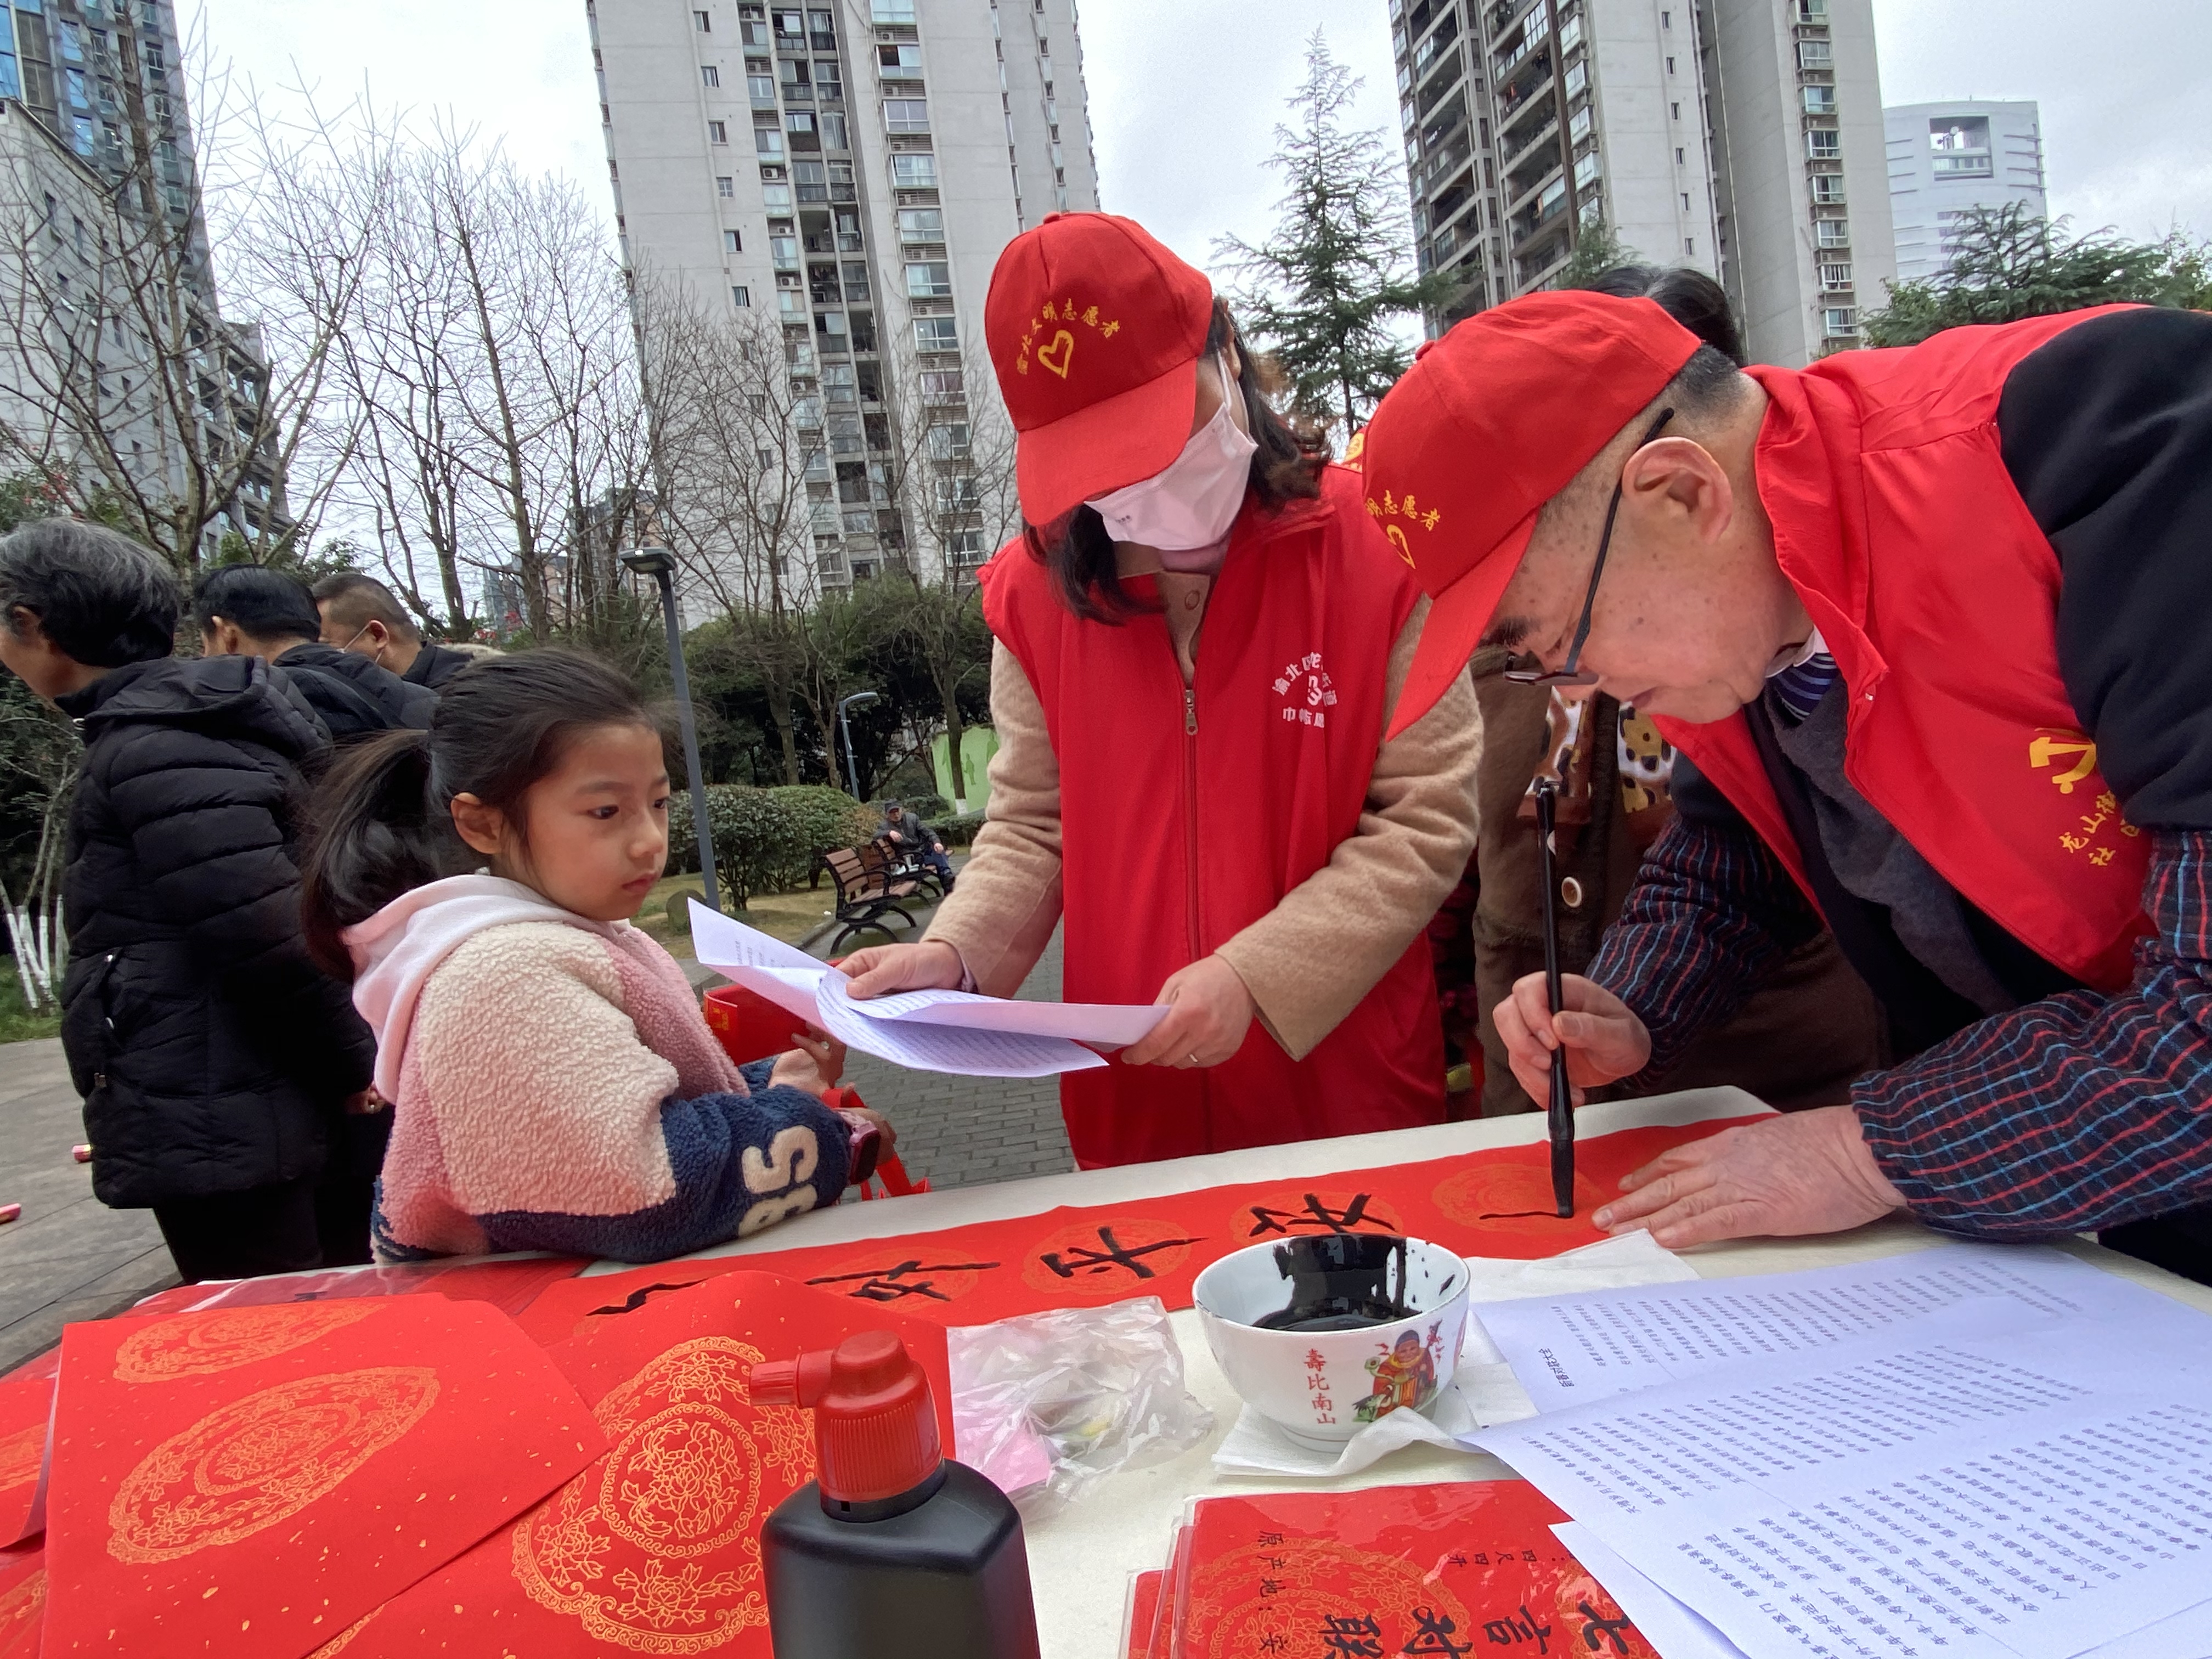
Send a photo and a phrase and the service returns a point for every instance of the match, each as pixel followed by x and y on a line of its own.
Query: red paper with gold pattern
pixel 1141 1613
pixel 26 1403
pixel 655 1548
pixel 1453 1569
pixel 22 1602
pixel 250 1481
pixel 1495 1202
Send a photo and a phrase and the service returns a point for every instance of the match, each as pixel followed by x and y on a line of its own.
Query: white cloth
pixel 397 949
pixel 1483 1390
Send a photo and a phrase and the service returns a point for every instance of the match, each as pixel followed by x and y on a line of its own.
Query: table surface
pixel 1081 1559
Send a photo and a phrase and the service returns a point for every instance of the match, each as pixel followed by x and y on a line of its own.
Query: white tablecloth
pixel 1081 1559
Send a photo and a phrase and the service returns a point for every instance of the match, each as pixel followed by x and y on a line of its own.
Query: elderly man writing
pixel 1929 627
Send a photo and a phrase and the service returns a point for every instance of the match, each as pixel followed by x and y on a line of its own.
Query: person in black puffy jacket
pixel 251 610
pixel 213 1057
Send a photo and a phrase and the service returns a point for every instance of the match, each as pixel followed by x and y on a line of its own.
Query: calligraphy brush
pixel 1559 1120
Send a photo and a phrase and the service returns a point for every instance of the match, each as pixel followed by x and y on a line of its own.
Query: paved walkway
pixel 68 1256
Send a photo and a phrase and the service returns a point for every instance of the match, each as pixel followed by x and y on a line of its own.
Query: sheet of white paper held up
pixel 930 1031
pixel 1571 1348
pixel 1988 1482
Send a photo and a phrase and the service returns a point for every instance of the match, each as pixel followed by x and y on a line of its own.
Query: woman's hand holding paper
pixel 1209 1010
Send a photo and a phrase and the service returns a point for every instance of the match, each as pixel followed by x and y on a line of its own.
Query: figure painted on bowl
pixel 1404 1376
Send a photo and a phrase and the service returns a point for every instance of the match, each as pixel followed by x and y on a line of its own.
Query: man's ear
pixel 484 828
pixel 1677 484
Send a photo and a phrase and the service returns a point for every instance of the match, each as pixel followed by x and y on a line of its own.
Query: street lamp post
pixel 659 564
pixel 851 767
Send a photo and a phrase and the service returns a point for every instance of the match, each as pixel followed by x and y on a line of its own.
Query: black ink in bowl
pixel 1344 1282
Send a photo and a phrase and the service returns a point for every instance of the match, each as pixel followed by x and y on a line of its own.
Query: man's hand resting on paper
pixel 1804 1172
pixel 1603 1037
pixel 1209 1012
pixel 930 965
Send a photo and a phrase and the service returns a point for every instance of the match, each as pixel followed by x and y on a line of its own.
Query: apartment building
pixel 855 167
pixel 1727 135
pixel 1945 160
pixel 97 162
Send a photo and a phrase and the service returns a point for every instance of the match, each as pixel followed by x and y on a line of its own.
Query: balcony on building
pixel 1958 147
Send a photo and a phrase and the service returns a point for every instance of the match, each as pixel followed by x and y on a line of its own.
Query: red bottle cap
pixel 875 1430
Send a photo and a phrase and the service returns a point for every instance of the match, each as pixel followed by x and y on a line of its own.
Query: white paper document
pixel 1675 1630
pixel 1571 1348
pixel 929 1031
pixel 1987 1482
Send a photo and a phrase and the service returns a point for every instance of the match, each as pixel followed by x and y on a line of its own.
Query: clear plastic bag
pixel 1047 1404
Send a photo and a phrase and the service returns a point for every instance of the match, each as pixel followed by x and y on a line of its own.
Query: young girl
pixel 554 1084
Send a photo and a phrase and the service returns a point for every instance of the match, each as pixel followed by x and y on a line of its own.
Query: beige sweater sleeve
pixel 1000 915
pixel 1309 961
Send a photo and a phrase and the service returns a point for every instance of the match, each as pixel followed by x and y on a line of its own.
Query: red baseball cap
pixel 1489 424
pixel 1095 331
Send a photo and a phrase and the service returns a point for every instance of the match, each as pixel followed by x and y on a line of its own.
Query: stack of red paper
pixel 409 1475
pixel 1442 1570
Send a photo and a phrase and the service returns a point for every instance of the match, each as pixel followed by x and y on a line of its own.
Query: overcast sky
pixel 1184 92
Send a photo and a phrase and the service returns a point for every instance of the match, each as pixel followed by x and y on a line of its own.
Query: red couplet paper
pixel 655 1548
pixel 251 1481
pixel 1141 1613
pixel 26 1403
pixel 22 1602
pixel 1495 1202
pixel 1471 1566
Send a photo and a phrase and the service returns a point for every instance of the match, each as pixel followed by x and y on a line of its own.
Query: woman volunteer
pixel 1218 819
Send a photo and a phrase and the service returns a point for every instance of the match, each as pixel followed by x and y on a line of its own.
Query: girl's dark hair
pixel 381 820
pixel 1690 297
pixel 1285 467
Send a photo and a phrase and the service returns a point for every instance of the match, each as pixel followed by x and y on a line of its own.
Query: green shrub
pixel 957 831
pixel 765 840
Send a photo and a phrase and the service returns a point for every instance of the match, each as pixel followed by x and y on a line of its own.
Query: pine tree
pixel 1324 288
pixel 2007 265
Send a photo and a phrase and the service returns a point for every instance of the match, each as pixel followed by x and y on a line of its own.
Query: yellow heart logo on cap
pixel 1064 343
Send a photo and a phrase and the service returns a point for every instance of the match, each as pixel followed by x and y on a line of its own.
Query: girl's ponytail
pixel 375 834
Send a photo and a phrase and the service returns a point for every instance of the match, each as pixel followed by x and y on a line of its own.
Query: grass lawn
pixel 17 1023
pixel 789 916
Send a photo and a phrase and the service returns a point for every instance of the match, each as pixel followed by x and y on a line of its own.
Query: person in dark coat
pixel 363 616
pixel 213 1057
pixel 252 610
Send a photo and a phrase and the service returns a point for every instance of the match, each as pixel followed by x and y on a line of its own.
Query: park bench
pixel 870 892
pixel 908 866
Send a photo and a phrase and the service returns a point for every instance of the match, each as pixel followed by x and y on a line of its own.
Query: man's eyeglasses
pixel 1572 672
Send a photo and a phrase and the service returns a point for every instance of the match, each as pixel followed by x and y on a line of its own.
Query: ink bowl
pixel 1324 1335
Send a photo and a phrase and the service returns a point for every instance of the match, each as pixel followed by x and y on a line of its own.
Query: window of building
pixel 921 225
pixel 1670 66
pixel 731 243
pixel 1689 244
pixel 706 23
pixel 711 75
pixel 74 79
pixel 1835 233
pixel 1824 145
pixel 837 383
pixel 767 141
pixel 948 441
pixel 892 11
pixel 1685 201
pixel 775 198
pixel 813 180
pixel 726 186
pixel 717 133
pixel 1678 161
pixel 761 88
pixel 1811 11
pixel 906 115
pixel 936 334
pixel 783 252
pixel 1827 187
pixel 930 279
pixel 791 303
pixel 830 323
pixel 804 134
pixel 856 279
pixel 11 82
pixel 1820 101
pixel 827 85
pixel 741 297
pixel 834 134
pixel 1834 275
pixel 80 135
pixel 1842 321
pixel 1816 54
pixel 913 172
pixel 899 63
pixel 943 385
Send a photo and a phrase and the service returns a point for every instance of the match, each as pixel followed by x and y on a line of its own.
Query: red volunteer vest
pixel 1184 822
pixel 1937 594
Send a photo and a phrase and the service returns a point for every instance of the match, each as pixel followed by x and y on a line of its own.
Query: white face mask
pixel 1194 501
